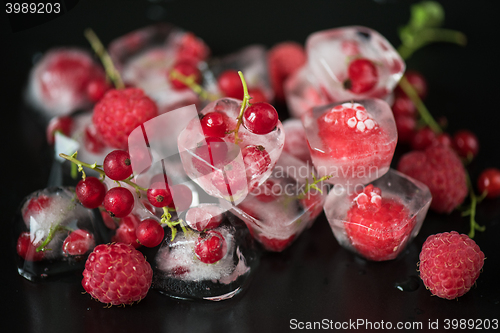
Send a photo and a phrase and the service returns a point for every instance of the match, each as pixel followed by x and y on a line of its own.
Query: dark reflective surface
pixel 315 278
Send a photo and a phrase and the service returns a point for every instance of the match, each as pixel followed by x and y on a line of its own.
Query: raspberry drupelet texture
pixel 441 170
pixel 450 264
pixel 117 274
pixel 119 112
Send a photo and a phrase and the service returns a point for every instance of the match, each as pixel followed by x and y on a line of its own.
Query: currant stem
pixel 95 167
pixel 244 105
pixel 55 228
pixel 472 211
pixel 312 185
pixel 101 52
pixel 422 109
pixel 165 219
pixel 427 36
pixel 190 82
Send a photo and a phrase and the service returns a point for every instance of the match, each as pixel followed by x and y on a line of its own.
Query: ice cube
pixel 280 209
pixel 353 62
pixel 296 140
pixel 58 82
pixel 353 141
pixel 48 217
pixel 377 221
pixel 180 274
pixel 144 58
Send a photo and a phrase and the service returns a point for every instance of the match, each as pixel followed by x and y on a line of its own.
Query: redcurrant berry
pixel 119 202
pixel 257 96
pixel 260 118
pixel 466 144
pixel 444 139
pixel 26 249
pixel 188 69
pixel 230 85
pixel 61 124
pixel 149 233
pixel 126 232
pixel 210 247
pixel 90 191
pixel 362 76
pixel 117 165
pixel 406 128
pixel 214 124
pixel 489 181
pixel 78 242
pixel 403 106
pixel 210 154
pixel 423 138
pixel 96 89
pixel 418 82
pixel 159 194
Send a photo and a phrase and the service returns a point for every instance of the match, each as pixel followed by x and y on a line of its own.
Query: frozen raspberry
pixel 117 274
pixel 119 112
pixel 284 59
pixel 378 227
pixel 35 206
pixel 363 76
pixel 78 243
pixel 450 264
pixel 441 170
pixel 257 162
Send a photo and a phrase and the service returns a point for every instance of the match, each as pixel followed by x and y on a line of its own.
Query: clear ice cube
pixel 278 211
pixel 331 53
pixel 45 220
pixel 296 140
pixel 353 142
pixel 377 225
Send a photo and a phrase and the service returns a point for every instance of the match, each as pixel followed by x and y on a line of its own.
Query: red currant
pixel 210 247
pixel 119 202
pixel 126 232
pixel 90 191
pixel 363 76
pixel 423 138
pixel 214 124
pixel 117 165
pixel 257 95
pixel 159 195
pixel 406 128
pixel 444 139
pixel 61 124
pixel 96 89
pixel 26 249
pixel 230 85
pixel 489 181
pixel 403 106
pixel 260 118
pixel 36 206
pixel 418 82
pixel 466 144
pixel 188 69
pixel 92 142
pixel 149 233
pixel 78 243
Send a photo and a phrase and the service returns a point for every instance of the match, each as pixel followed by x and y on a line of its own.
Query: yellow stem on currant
pixel 244 105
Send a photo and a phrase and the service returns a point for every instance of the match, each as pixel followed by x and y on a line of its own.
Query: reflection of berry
pixel 441 170
pixel 78 242
pixel 26 249
pixel 204 217
pixel 90 191
pixel 363 76
pixel 377 227
pixel 210 247
pixel 450 264
pixel 489 181
pixel 119 112
pixel 119 202
pixel 117 274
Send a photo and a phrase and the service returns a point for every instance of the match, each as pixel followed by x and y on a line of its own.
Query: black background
pixel 315 279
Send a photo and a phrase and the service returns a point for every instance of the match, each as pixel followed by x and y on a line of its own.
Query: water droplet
pixel 411 283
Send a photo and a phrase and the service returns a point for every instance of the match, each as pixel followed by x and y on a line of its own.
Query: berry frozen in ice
pixel 78 243
pixel 186 68
pixel 119 112
pixel 159 194
pixel 210 247
pixel 117 274
pixel 362 76
pixel 450 264
pixel 26 249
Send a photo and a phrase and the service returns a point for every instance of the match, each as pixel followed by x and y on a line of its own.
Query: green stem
pixel 310 186
pixel 95 167
pixel 190 82
pixel 422 109
pixel 55 228
pixel 101 52
pixel 431 35
pixel 244 105
pixel 472 211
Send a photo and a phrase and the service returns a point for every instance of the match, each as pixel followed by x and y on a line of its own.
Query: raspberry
pixel 440 169
pixel 378 227
pixel 117 274
pixel 283 60
pixel 119 112
pixel 450 264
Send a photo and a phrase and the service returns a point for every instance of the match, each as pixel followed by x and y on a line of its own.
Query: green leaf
pixel 426 14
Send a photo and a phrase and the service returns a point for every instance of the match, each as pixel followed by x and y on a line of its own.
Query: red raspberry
pixel 119 112
pixel 283 60
pixel 450 264
pixel 378 227
pixel 117 274
pixel 441 170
